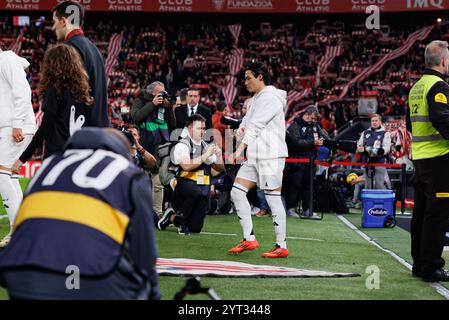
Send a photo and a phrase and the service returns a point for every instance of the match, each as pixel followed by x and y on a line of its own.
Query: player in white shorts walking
pixel 263 136
pixel 17 127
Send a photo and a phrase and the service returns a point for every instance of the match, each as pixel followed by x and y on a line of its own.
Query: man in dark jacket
pixel 84 237
pixel 428 120
pixel 303 137
pixel 68 19
pixel 192 107
pixel 155 118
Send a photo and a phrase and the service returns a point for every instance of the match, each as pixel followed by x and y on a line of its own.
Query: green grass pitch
pixel 326 245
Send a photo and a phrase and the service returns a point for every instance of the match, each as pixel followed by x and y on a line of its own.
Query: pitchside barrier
pixel 329 164
pixel 30 168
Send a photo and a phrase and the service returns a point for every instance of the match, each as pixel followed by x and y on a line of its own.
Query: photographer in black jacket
pixel 303 137
pixel 153 113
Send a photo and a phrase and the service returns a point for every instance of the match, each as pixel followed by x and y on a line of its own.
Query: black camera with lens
pixel 127 134
pixel 374 152
pixel 233 123
pixel 343 145
pixel 165 95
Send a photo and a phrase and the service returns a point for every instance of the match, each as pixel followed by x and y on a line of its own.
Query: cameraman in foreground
pixel 303 137
pixel 374 144
pixel 153 113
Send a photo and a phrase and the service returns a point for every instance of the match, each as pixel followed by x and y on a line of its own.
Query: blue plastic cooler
pixel 377 206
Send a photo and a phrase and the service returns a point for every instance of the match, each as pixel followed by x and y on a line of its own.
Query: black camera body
pixel 165 95
pixel 233 123
pixel 343 145
pixel 374 152
pixel 127 134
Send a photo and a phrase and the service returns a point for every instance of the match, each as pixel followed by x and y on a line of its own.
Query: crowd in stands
pixel 196 56
pixel 186 55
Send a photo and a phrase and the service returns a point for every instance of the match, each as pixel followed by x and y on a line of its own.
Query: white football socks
pixel 15 181
pixel 278 214
pixel 10 197
pixel 238 195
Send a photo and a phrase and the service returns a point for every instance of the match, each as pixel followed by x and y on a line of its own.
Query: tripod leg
pixel 311 187
pixel 372 176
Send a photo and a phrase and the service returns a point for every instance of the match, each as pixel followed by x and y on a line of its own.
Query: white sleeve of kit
pixel 21 92
pixel 180 152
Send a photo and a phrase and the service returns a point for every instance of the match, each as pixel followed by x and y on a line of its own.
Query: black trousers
pixel 296 185
pixel 123 283
pixel 430 213
pixel 194 202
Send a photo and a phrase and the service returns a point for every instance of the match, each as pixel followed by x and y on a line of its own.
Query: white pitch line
pixel 5 216
pixel 438 287
pixel 306 239
pixel 235 235
pixel 219 234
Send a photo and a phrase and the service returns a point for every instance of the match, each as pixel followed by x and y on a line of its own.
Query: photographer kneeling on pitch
pixel 195 159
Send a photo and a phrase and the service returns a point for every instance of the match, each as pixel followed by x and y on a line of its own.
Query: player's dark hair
pixel 258 69
pixel 193 118
pixel 62 10
pixel 194 89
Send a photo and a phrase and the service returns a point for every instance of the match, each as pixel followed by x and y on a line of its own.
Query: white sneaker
pixel 254 211
pixel 307 215
pixel 5 241
pixel 292 213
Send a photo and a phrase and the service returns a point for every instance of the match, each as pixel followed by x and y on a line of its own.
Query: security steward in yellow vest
pixel 85 228
pixel 428 118
pixel 195 159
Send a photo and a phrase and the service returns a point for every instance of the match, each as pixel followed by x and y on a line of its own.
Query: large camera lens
pixel 165 95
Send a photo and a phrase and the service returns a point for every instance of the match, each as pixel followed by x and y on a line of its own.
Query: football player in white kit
pixel 17 127
pixel 262 134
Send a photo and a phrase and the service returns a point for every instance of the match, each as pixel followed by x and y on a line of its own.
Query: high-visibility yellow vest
pixel 427 141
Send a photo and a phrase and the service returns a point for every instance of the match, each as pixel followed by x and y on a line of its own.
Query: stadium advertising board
pixel 234 6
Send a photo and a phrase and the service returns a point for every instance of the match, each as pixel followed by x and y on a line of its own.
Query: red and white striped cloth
pixel 235 65
pixel 125 91
pixel 16 46
pixel 331 53
pixel 419 35
pixel 295 96
pixel 38 116
pixel 236 61
pixel 115 45
pixel 230 91
pixel 326 60
pixel 235 30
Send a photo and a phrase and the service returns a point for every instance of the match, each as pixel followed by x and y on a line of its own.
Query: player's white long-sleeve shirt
pixel 265 125
pixel 16 110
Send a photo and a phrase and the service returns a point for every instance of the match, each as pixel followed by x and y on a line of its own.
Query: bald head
pixel 437 56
